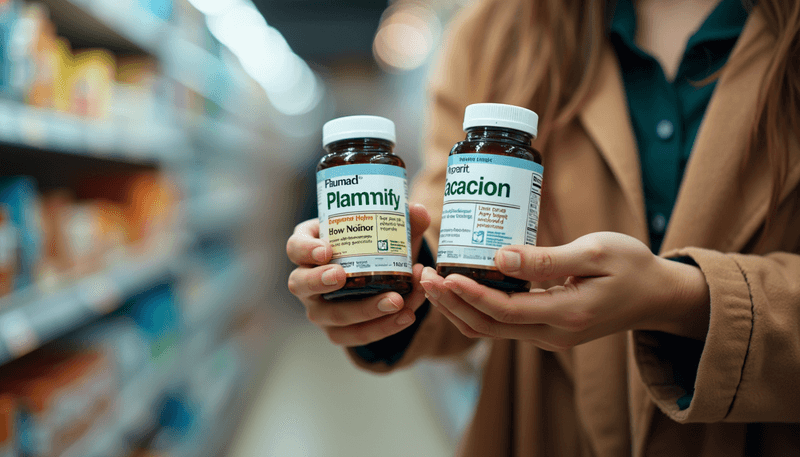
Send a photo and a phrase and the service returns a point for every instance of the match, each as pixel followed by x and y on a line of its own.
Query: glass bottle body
pixel 365 151
pixel 501 142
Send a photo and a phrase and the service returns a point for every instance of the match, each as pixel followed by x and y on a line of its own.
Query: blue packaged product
pixel 155 311
pixel 20 196
pixel 8 18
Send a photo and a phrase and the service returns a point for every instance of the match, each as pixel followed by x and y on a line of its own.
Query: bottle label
pixel 490 201
pixel 363 214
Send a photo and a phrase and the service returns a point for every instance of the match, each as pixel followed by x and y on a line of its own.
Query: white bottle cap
pixel 348 127
pixel 500 115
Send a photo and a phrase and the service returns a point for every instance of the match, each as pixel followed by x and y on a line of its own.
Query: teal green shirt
pixel 667 115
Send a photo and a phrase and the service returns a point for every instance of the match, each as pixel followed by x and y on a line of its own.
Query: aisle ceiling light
pixel 291 86
pixel 406 36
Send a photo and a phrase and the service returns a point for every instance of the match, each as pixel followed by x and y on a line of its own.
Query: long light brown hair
pixel 568 35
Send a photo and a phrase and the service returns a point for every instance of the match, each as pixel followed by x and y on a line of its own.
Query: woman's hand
pixel 613 283
pixel 354 322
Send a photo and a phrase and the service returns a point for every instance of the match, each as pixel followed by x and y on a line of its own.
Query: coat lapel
pixel 723 201
pixel 605 118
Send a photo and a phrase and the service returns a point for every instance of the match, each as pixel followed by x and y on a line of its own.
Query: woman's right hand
pixel 350 322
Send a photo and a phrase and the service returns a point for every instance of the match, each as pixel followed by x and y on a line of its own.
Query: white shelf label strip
pixel 18 334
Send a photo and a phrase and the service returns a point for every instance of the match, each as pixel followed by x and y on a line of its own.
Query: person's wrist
pixel 687 309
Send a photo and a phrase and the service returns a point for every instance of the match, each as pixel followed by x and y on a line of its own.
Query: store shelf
pixel 128 28
pixel 132 415
pixel 30 318
pixel 89 22
pixel 44 129
pixel 136 410
pixel 213 415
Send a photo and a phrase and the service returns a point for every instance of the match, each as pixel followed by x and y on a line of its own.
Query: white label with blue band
pixel 490 201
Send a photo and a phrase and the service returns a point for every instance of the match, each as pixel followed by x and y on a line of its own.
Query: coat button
pixel 665 129
pixel 658 223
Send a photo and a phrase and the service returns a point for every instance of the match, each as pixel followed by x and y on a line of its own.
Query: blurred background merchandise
pixel 154 157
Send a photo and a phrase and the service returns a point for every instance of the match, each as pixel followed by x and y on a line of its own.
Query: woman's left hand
pixel 613 283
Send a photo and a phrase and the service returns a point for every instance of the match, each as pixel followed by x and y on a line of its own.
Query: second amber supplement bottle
pixel 362 200
pixel 492 194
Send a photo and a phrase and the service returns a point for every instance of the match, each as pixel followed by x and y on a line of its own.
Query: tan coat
pixel 616 396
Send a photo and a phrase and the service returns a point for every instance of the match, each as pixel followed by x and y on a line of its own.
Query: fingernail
pixel 453 287
pixel 428 286
pixel 387 306
pixel 404 319
pixel 511 260
pixel 318 254
pixel 329 278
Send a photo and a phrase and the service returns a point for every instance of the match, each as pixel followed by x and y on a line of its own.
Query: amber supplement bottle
pixel 491 198
pixel 362 198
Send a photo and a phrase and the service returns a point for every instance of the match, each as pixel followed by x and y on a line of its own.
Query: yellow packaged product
pixel 90 83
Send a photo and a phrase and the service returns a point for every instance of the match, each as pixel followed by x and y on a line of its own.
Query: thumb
pixel 419 220
pixel 534 263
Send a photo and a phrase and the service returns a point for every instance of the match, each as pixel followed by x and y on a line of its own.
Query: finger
pixel 305 247
pixel 465 329
pixel 545 336
pixel 326 313
pixel 465 318
pixel 557 306
pixel 433 284
pixel 539 335
pixel 306 282
pixel 582 257
pixel 416 297
pixel 420 220
pixel 371 331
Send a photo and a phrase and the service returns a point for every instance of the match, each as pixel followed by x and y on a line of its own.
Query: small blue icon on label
pixel 477 237
pixel 383 245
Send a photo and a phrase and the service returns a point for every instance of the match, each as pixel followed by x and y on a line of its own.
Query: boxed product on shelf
pixel 48 56
pixel 147 199
pixel 56 261
pixel 8 20
pixel 7 430
pixel 113 232
pixel 19 195
pixel 156 313
pixel 90 79
pixel 9 247
pixel 135 89
pixel 120 339
pixel 58 396
pixel 82 232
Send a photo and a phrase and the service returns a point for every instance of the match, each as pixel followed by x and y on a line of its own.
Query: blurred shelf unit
pixel 125 201
pixel 29 318
pixel 129 28
pixel 205 364
pixel 129 142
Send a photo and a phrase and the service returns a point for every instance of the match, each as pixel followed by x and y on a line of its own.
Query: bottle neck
pixel 499 133
pixel 367 145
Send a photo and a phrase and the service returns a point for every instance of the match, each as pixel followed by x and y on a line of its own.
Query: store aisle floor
pixel 315 403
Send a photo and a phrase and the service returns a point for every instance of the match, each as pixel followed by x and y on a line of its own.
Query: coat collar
pixel 718 206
